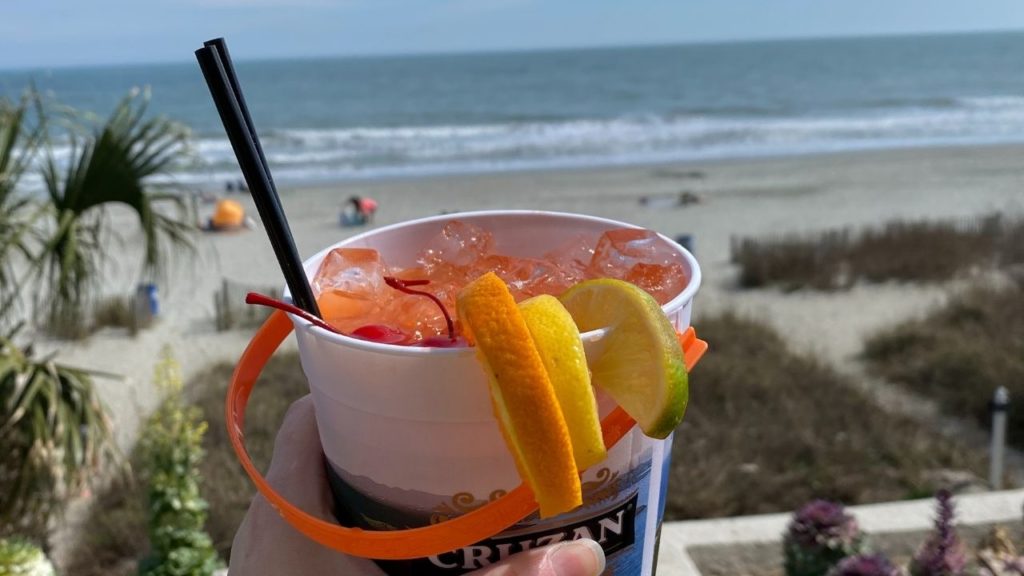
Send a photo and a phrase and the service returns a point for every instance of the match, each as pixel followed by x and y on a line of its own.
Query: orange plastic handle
pixel 458 532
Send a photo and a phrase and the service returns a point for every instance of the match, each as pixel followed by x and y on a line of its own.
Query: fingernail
pixel 578 558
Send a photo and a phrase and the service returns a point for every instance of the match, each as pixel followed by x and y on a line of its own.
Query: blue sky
pixel 44 33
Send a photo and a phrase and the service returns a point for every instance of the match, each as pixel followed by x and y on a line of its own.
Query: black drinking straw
pixel 227 96
pixel 221 47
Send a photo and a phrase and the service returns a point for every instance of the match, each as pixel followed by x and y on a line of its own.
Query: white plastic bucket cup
pixel 411 440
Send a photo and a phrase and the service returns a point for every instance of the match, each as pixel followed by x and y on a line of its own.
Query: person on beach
pixel 367 207
pixel 358 210
pixel 266 545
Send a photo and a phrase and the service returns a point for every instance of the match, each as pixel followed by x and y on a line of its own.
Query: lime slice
pixel 561 350
pixel 642 365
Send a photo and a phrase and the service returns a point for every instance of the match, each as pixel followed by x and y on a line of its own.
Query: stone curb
pixel 905 516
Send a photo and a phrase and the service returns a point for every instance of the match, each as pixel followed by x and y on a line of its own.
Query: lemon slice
pixel 524 400
pixel 642 365
pixel 561 350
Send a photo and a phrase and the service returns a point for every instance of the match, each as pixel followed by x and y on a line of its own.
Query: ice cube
pixel 415 315
pixel 569 263
pixel 642 258
pixel 353 272
pixel 576 253
pixel 345 312
pixel 458 244
pixel 664 282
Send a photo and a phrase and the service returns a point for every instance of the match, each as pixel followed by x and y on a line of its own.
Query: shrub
pixel 115 312
pixel 792 261
pixel 960 353
pixel 820 534
pixel 20 557
pixel 55 435
pixel 924 251
pixel 225 485
pixel 172 453
pixel 114 534
pixel 112 539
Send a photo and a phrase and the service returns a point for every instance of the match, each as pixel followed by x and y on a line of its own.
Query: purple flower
pixel 822 523
pixel 820 535
pixel 942 554
pixel 865 565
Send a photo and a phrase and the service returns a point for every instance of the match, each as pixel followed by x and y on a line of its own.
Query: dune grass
pixel 908 251
pixel 768 429
pixel 960 353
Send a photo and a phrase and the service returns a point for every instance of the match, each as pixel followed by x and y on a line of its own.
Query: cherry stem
pixel 403 286
pixel 261 300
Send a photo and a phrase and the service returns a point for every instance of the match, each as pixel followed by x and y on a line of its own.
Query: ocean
pixel 369 117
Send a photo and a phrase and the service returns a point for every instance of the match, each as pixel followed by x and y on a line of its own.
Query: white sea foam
pixel 367 152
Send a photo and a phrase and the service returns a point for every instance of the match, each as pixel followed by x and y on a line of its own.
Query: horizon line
pixel 536 49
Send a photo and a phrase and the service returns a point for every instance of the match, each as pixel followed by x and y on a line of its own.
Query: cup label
pixel 622 512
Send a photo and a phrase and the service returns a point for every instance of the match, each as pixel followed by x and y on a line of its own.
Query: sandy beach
pixel 738 198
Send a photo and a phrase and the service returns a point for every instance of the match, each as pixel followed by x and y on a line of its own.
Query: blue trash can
pixel 150 297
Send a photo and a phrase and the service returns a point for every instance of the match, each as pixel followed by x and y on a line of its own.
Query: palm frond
pixel 19 141
pixel 55 432
pixel 113 165
pixel 20 137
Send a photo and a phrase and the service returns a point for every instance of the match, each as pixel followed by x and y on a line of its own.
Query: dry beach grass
pixel 900 250
pixel 960 353
pixel 769 429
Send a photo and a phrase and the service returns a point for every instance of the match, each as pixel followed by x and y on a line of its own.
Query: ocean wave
pixel 373 151
pixel 992 102
pixel 911 102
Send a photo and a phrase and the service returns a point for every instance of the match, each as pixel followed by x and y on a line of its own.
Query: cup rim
pixel 676 303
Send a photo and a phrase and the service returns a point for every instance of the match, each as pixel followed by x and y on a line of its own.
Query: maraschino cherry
pixel 379 333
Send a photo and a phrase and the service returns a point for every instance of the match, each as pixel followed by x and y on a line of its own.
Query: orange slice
pixel 524 400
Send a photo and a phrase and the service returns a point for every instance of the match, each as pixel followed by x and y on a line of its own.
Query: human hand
pixel 266 545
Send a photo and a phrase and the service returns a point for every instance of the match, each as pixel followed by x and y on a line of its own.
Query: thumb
pixel 577 558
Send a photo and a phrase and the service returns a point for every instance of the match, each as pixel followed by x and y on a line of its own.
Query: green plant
pixel 55 434
pixel 19 141
pixel 20 557
pixel 113 164
pixel 115 529
pixel 172 453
